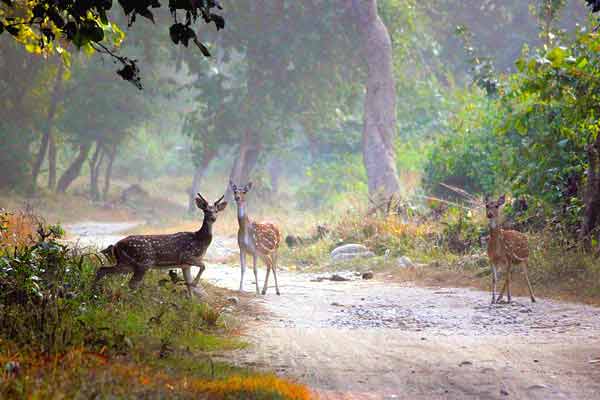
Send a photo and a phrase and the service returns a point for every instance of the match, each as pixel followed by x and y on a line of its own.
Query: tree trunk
pixel 380 103
pixel 207 157
pixel 591 199
pixel 95 163
pixel 245 162
pixel 74 169
pixel 39 159
pixel 51 162
pixel 56 94
pixel 108 173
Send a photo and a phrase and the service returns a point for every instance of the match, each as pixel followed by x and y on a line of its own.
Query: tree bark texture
pixel 51 162
pixel 74 169
pixel 380 103
pixel 108 173
pixel 46 138
pixel 200 172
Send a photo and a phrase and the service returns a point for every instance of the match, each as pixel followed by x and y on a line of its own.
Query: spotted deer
pixel 258 239
pixel 140 253
pixel 505 248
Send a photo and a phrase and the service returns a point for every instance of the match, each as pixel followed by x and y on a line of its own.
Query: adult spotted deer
pixel 258 239
pixel 505 248
pixel 182 250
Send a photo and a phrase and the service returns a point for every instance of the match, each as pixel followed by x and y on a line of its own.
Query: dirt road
pixel 377 340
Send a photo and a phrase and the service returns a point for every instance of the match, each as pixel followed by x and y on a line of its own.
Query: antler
pixel 220 200
pixel 202 198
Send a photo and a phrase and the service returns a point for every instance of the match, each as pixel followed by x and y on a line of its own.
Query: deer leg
pixel 501 295
pixel 269 263
pixel 525 267
pixel 117 269
pixel 254 260
pixel 201 268
pixel 494 279
pixel 243 267
pixel 187 275
pixel 136 279
pixel 508 292
pixel 274 267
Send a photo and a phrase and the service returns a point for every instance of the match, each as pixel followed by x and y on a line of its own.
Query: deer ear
pixel 248 187
pixel 487 198
pixel 201 203
pixel 232 186
pixel 221 206
pixel 501 199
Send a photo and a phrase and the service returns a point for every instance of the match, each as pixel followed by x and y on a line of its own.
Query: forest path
pixel 378 340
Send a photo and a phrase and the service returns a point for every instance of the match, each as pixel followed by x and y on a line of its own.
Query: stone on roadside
pixel 404 262
pixel 351 251
pixel 367 275
pixel 338 278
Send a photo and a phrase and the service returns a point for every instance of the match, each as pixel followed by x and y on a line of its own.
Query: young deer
pixel 259 239
pixel 137 254
pixel 505 248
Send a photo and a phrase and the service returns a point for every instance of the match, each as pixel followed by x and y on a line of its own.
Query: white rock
pixel 350 251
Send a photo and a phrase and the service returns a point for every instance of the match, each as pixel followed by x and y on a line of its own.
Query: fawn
pixel 139 253
pixel 505 248
pixel 259 239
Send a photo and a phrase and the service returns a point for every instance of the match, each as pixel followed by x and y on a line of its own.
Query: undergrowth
pixel 448 243
pixel 61 338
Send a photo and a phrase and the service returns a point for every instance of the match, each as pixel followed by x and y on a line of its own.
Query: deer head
pixel 492 209
pixel 210 212
pixel 239 194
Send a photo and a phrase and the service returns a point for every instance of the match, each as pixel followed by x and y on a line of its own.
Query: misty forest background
pixel 487 96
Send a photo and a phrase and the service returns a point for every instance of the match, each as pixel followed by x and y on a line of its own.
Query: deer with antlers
pixel 139 253
pixel 258 239
pixel 505 248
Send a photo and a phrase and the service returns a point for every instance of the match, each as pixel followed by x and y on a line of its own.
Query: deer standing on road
pixel 505 248
pixel 182 250
pixel 258 239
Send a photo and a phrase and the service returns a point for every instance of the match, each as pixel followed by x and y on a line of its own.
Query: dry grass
pixel 80 373
pixel 18 229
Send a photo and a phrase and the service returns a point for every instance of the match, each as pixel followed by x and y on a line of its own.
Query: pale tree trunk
pixel 52 162
pixel 47 138
pixel 380 103
pixel 74 169
pixel 200 172
pixel 245 161
pixel 95 163
pixel 108 174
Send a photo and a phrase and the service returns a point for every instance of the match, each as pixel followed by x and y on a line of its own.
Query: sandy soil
pixel 377 340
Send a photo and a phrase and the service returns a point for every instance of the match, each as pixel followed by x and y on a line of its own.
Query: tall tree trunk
pixel 54 98
pixel 200 172
pixel 95 163
pixel 74 169
pixel 591 199
pixel 380 103
pixel 107 175
pixel 52 162
pixel 246 160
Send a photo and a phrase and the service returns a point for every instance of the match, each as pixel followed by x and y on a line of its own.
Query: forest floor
pixel 383 339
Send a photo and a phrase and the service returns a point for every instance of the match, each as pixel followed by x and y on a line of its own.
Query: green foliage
pixel 42 288
pixel 46 23
pixel 329 182
pixel 468 155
